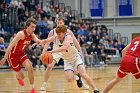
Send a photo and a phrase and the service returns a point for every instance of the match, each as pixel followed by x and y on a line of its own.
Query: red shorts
pixel 15 60
pixel 129 65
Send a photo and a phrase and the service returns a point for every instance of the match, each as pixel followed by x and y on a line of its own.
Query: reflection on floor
pixel 58 84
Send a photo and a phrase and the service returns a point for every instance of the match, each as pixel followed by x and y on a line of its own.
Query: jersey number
pixel 135 45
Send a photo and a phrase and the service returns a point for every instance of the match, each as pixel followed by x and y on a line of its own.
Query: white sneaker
pixel 42 66
pixel 86 87
pixel 43 87
pixel 37 66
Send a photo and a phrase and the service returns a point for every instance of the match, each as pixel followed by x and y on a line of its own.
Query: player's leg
pixel 81 69
pixel 69 73
pixel 48 70
pixel 79 81
pixel 122 72
pixel 111 84
pixel 28 65
pixel 15 65
pixel 56 58
pixel 20 77
pixel 70 77
pixel 85 76
pixel 47 75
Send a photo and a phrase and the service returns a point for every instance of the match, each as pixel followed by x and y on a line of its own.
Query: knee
pixel 83 75
pixel 30 68
pixel 49 67
pixel 22 76
pixel 69 79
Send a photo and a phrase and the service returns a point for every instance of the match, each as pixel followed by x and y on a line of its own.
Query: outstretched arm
pixel 19 36
pixel 34 38
pixel 47 44
pixel 40 42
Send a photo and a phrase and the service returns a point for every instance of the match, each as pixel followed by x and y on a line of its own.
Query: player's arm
pixel 124 50
pixel 65 45
pixel 76 43
pixel 47 44
pixel 38 41
pixel 20 36
pixel 35 39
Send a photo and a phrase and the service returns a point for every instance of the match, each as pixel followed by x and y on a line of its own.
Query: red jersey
pixel 134 48
pixel 22 44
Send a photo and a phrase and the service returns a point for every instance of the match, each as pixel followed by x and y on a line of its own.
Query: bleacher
pixel 12 22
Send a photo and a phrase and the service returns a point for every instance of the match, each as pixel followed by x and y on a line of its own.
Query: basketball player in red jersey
pixel 16 56
pixel 130 63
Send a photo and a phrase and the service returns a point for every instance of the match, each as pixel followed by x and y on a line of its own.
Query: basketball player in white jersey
pixel 57 56
pixel 72 58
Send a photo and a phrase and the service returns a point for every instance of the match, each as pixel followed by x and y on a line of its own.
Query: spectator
pixel 2 47
pixel 37 52
pixel 31 55
pixel 46 8
pixel 88 58
pixel 81 31
pixel 50 23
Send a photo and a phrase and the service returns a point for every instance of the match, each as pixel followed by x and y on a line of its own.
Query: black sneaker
pixel 96 91
pixel 79 81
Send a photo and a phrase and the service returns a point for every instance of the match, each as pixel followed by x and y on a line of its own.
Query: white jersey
pixel 55 44
pixel 71 52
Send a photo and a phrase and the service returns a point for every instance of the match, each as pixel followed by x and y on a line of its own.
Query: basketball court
pixel 58 84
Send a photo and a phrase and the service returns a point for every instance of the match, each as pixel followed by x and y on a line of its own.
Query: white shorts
pixel 72 64
pixel 57 56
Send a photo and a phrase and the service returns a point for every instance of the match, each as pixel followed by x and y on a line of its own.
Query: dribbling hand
pixel 49 51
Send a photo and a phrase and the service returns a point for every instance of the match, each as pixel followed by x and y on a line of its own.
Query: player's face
pixel 60 22
pixel 60 36
pixel 31 28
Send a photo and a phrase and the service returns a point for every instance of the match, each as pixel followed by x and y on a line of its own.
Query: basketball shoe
pixel 33 90
pixel 43 87
pixel 96 91
pixel 84 86
pixel 20 81
pixel 79 81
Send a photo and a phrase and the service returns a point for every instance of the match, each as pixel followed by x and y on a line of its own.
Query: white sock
pixel 76 77
pixel 32 86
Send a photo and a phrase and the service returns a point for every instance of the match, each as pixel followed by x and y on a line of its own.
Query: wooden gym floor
pixel 58 84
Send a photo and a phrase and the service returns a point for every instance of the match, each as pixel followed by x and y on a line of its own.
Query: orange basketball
pixel 46 58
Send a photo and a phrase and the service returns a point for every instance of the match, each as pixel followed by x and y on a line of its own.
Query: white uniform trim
pixel 122 72
pixel 137 62
pixel 10 63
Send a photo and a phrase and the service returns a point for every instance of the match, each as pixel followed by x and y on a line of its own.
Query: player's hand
pixel 49 51
pixel 42 42
pixel 35 44
pixel 2 61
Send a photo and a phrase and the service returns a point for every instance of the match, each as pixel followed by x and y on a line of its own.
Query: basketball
pixel 46 58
